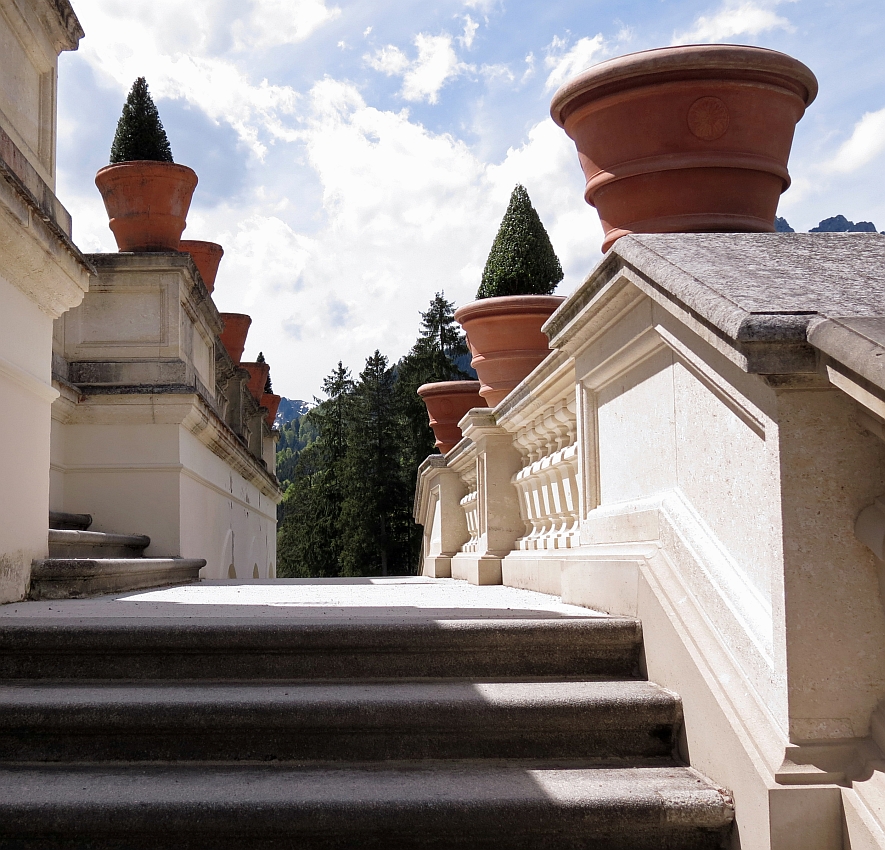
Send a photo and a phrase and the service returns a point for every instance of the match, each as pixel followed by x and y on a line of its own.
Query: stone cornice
pixel 67 28
pixel 174 406
pixel 36 255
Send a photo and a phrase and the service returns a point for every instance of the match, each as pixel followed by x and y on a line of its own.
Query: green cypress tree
pixel 140 133
pixel 522 260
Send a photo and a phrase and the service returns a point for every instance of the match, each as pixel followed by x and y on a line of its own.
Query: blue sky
pixel 356 157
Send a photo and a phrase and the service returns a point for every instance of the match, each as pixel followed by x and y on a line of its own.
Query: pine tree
pixel 140 133
pixel 310 538
pixel 522 260
pixel 374 515
pixel 435 356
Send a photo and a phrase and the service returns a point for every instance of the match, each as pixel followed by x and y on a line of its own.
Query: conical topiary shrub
pixel 503 325
pixel 140 133
pixel 146 194
pixel 522 260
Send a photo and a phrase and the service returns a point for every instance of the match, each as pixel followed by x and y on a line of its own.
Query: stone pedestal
pixel 438 507
pixel 497 517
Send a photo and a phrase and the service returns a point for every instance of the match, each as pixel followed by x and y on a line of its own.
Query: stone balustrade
pixel 704 448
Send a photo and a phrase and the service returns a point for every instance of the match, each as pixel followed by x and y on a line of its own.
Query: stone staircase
pixel 344 731
pixel 88 563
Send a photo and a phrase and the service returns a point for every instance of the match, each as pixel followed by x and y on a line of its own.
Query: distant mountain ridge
pixel 836 224
pixel 289 409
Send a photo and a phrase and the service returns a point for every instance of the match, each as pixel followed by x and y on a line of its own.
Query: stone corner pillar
pixel 438 496
pixel 498 520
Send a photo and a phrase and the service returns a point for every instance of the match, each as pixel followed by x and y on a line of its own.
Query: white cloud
pixel 500 73
pixel 733 19
pixel 173 51
pixel 407 212
pixel 423 77
pixel 566 63
pixel 275 22
pixel 866 143
pixel 436 64
pixel 400 211
pixel 389 60
pixel 484 6
pixel 470 28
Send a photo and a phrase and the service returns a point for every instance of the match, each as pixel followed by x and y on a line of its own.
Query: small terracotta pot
pixel 258 373
pixel 147 203
pixel 206 256
pixel 272 403
pixel 447 402
pixel 686 139
pixel 505 339
pixel 233 337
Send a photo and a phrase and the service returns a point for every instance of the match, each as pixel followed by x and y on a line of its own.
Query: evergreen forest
pixel 348 465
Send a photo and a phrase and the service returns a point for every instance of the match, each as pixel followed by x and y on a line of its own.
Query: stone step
pixel 77 522
pixel 439 805
pixel 596 720
pixel 70 543
pixel 249 648
pixel 75 578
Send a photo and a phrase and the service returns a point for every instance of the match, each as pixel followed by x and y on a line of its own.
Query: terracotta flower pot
pixel 447 402
pixel 147 203
pixel 272 403
pixel 258 373
pixel 206 256
pixel 233 337
pixel 686 139
pixel 505 339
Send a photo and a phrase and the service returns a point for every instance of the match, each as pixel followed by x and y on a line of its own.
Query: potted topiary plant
pixel 146 194
pixel 503 325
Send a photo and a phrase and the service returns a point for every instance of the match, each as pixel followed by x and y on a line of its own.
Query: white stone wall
pixel 41 275
pixel 159 479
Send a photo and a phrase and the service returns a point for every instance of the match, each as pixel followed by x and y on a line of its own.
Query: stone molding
pixel 186 408
pixel 36 255
pixel 27 381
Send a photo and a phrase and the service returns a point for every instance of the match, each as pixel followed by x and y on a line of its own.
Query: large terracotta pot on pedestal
pixel 686 139
pixel 206 257
pixel 147 203
pixel 272 402
pixel 447 403
pixel 505 338
pixel 258 373
pixel 233 337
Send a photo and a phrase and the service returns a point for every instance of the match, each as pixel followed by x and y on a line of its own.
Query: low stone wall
pixel 688 455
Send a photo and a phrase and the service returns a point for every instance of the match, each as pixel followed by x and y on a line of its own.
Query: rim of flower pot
pixel 509 304
pixel 201 243
pixel 141 163
pixel 449 388
pixel 690 61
